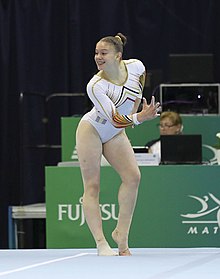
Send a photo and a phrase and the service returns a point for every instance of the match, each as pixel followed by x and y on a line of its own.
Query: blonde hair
pixel 173 116
pixel 118 41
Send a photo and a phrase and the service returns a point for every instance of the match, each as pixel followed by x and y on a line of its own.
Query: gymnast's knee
pixel 92 189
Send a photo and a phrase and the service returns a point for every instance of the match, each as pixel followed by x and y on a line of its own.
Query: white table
pixel 15 213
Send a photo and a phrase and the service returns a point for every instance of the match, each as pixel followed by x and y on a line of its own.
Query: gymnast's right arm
pixel 106 107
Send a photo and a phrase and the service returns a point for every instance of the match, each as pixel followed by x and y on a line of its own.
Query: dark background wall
pixel 47 47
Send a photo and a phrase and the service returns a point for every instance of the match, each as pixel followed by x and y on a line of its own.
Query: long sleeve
pixel 117 103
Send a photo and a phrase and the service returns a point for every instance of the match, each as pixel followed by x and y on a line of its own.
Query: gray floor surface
pixel 146 263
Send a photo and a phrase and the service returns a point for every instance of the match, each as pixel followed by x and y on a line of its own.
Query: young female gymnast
pixel 116 92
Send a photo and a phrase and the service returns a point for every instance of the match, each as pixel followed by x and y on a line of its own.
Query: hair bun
pixel 122 38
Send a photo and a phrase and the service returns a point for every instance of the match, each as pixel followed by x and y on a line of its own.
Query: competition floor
pixel 155 263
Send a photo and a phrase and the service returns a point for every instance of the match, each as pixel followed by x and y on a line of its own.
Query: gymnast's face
pixel 106 57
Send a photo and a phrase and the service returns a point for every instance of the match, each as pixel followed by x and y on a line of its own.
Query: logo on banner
pixel 207 219
pixel 75 212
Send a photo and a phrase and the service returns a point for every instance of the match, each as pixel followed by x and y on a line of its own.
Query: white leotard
pixel 108 97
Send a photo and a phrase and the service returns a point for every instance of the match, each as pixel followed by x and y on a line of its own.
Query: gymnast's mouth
pixel 100 62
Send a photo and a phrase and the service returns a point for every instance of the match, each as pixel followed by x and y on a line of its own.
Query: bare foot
pixel 122 243
pixel 125 252
pixel 105 250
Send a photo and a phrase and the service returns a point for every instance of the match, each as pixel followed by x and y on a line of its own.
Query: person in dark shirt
pixel 170 124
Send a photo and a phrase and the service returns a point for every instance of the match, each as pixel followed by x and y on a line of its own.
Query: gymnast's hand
pixel 149 111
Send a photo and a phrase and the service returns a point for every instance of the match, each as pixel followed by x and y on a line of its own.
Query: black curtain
pixel 47 47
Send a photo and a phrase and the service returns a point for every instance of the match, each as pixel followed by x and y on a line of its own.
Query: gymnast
pixel 116 93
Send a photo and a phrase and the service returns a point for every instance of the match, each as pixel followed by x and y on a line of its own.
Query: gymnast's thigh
pixel 89 149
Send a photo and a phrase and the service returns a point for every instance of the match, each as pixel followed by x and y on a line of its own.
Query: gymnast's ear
pixel 119 56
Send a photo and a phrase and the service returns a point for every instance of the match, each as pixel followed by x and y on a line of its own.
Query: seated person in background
pixel 170 124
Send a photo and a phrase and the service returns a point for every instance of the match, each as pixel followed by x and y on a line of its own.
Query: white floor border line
pixel 42 263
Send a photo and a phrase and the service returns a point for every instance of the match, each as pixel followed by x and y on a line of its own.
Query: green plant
pixel 217 145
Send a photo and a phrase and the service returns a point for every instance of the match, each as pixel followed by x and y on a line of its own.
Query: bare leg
pixel 89 150
pixel 120 155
